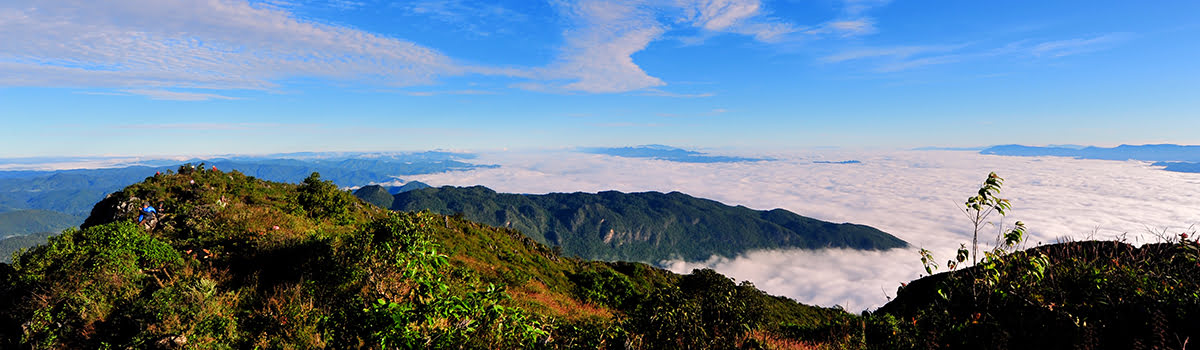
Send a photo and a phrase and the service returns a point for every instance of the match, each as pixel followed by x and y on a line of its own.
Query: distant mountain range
pixel 75 191
pixel 383 196
pixel 1178 158
pixel 664 152
pixel 72 193
pixel 24 228
pixel 938 148
pixel 837 162
pixel 310 267
pixel 646 226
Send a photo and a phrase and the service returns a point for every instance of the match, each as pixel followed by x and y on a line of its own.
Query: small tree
pixel 978 209
pixel 322 199
pixel 981 206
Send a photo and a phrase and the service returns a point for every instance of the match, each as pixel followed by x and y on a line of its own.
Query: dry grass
pixel 536 297
pixel 776 343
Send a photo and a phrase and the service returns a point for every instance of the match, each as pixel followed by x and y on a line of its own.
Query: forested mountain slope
pixel 646 226
pixel 238 262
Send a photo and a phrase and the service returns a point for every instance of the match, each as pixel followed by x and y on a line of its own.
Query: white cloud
pixel 912 195
pixel 717 15
pixel 479 18
pixel 901 58
pixel 858 7
pixel 852 21
pixel 658 92
pixel 178 95
pixel 844 27
pixel 214 126
pixel 745 17
pixel 898 52
pixel 859 26
pixel 212 44
pixel 598 56
pixel 450 92
pixel 154 48
pixel 1076 46
pixel 856 280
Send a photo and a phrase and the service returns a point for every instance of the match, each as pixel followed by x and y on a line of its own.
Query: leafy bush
pixel 237 262
pixel 429 314
pixel 80 278
pixel 604 286
pixel 704 310
pixel 323 200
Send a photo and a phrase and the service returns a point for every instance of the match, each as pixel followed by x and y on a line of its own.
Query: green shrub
pixel 321 199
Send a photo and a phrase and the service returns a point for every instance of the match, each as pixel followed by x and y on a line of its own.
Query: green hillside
pixel 24 222
pixel 27 228
pixel 11 245
pixel 237 262
pixel 381 196
pixel 375 194
pixel 1076 295
pixel 647 226
pixel 1073 295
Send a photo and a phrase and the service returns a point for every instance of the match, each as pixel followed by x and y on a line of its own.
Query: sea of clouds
pixel 915 195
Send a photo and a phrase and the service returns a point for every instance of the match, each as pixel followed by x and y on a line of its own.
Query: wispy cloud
pixel 155 48
pixel 480 18
pixel 604 36
pixel 450 92
pixel 713 112
pixel 852 22
pixel 599 48
pixel 1060 48
pixel 902 65
pixel 844 28
pixel 854 8
pixel 898 52
pixel 213 126
pixel 659 92
pixel 627 125
pixel 212 44
pixel 745 17
pixel 346 4
pixel 903 58
pixel 178 95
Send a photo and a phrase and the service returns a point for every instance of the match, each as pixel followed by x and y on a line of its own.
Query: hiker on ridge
pixel 148 212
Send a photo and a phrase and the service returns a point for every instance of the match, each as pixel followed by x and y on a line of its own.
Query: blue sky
pixel 154 77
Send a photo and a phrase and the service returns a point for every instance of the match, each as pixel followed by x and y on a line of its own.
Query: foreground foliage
pixel 644 226
pixel 1074 295
pixel 237 262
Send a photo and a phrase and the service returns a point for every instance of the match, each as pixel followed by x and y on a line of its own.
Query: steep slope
pixel 381 196
pixel 648 226
pixel 1076 295
pixel 375 194
pixel 1093 294
pixel 27 228
pixel 237 262
pixel 408 186
pixel 24 222
pixel 75 191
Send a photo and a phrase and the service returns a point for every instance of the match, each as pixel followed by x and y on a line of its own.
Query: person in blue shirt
pixel 147 212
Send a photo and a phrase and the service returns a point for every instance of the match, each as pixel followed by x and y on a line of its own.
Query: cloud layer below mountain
pixel 913 195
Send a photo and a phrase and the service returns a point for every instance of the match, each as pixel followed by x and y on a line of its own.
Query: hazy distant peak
pixel 664 152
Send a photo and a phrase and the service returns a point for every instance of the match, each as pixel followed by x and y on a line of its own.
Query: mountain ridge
pixel 235 261
pixel 1146 152
pixel 642 226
